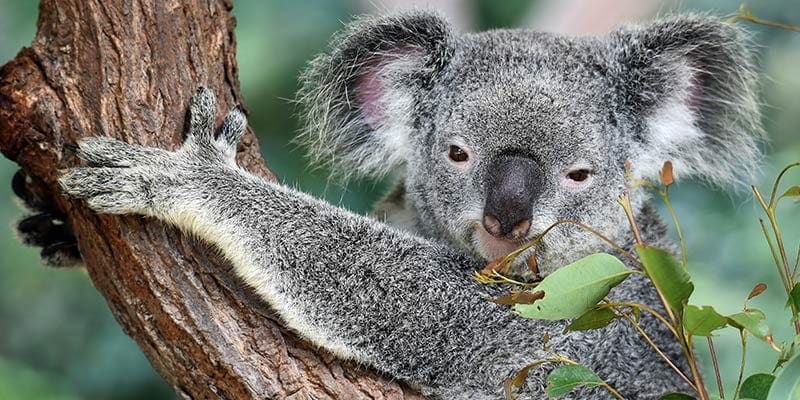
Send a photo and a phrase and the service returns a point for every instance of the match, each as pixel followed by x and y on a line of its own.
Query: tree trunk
pixel 127 69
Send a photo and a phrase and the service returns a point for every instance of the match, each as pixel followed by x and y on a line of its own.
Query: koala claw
pixel 61 255
pixel 126 178
pixel 46 228
pixel 43 229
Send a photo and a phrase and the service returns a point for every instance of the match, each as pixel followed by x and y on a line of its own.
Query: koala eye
pixel 578 175
pixel 457 154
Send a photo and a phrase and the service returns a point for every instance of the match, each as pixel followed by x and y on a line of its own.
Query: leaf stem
pixel 612 390
pixel 716 367
pixel 625 202
pixel 535 241
pixel 647 309
pixel 693 368
pixel 775 185
pixel 746 15
pixel 743 335
pixel 658 350
pixel 784 280
pixel 781 248
pixel 783 264
pixel 665 196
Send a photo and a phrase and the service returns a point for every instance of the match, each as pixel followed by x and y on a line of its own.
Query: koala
pixel 492 137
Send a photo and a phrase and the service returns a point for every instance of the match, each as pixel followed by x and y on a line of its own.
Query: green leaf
pixel 676 396
pixel 787 382
pixel 668 275
pixel 793 191
pixel 701 321
pixel 563 379
pixel 794 297
pixel 593 319
pixel 756 386
pixel 752 321
pixel 576 288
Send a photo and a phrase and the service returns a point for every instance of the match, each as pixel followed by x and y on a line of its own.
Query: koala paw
pixel 123 178
pixel 46 228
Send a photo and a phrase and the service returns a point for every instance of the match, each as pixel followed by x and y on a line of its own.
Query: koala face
pixel 500 134
pixel 511 146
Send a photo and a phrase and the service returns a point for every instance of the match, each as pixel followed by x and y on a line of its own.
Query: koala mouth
pixel 491 247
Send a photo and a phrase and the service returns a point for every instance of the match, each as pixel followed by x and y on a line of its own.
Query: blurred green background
pixel 59 341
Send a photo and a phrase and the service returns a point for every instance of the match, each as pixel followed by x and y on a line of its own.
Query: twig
pixel 698 378
pixel 660 353
pixel 647 309
pixel 784 281
pixel 625 202
pixel 716 367
pixel 665 196
pixel 743 335
pixel 786 274
pixel 535 241
pixel 775 185
pixel 745 14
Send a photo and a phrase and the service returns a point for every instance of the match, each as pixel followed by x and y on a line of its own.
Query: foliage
pixel 585 282
pixel 590 280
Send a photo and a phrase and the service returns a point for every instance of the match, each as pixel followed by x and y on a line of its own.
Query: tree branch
pixel 127 69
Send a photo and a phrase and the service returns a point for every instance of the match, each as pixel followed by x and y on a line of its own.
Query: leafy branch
pixel 746 14
pixel 580 291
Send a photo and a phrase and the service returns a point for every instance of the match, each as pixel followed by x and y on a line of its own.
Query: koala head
pixel 500 134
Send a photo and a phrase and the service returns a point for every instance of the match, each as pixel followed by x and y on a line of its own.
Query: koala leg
pixel 46 228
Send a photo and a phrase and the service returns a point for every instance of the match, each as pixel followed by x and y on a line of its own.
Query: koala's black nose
pixel 513 183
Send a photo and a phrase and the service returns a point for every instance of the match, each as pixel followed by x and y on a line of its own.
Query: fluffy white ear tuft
pixel 359 100
pixel 690 83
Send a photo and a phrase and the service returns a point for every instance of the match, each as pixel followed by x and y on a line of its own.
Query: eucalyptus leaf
pixel 756 386
pixel 757 290
pixel 520 297
pixel 563 379
pixel 701 321
pixel 576 288
pixel 593 319
pixel 668 276
pixel 787 382
pixel 752 321
pixel 519 378
pixel 793 191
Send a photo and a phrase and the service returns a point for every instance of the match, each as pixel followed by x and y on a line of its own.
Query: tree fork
pixel 127 69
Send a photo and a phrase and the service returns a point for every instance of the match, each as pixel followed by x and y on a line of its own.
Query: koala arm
pixel 347 283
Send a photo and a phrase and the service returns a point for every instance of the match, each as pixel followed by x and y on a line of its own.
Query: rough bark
pixel 127 69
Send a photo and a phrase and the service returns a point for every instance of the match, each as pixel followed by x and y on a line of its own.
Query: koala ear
pixel 690 83
pixel 359 99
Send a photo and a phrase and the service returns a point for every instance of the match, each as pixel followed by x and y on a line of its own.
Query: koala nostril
pixel 520 229
pixel 492 225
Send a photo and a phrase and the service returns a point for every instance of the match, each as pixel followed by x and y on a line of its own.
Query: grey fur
pixel 402 299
